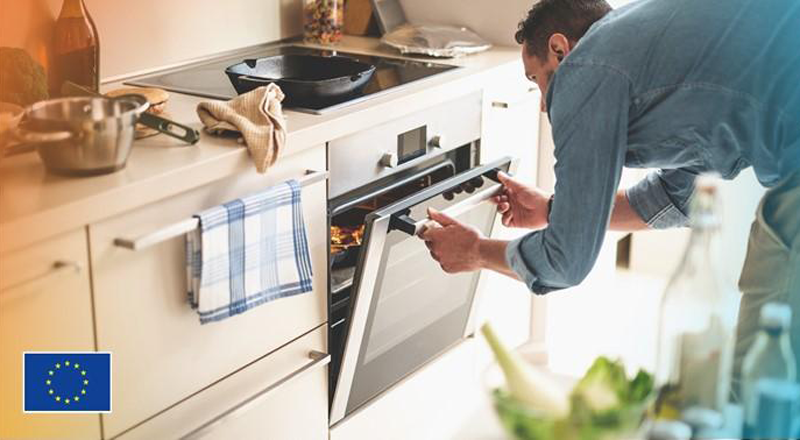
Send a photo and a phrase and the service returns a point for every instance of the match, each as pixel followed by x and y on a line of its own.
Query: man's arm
pixel 493 256
pixel 624 218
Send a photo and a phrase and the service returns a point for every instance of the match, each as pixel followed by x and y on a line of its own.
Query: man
pixel 686 86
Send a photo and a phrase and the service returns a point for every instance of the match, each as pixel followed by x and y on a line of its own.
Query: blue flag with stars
pixel 67 382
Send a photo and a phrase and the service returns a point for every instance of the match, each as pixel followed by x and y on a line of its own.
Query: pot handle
pixel 256 79
pixel 170 128
pixel 37 137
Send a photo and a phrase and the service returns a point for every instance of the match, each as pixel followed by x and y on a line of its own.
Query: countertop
pixel 35 205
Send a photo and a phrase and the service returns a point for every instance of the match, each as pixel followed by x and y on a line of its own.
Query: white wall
pixel 144 34
pixel 494 20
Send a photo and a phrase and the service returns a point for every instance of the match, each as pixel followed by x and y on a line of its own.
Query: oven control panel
pixel 364 157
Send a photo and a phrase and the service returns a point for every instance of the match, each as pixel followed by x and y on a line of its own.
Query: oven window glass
pixel 417 310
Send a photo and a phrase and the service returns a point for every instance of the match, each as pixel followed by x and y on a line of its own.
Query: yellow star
pixel 47 382
pixel 76 398
pixel 66 363
pixel 58 398
pixel 67 401
pixel 49 391
pixel 83 391
pixel 50 372
pixel 85 381
pixel 83 373
pixel 58 365
pixel 77 366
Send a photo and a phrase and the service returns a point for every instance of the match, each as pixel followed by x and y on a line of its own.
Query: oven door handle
pixel 404 222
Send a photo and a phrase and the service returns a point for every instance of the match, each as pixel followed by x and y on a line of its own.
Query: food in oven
pixel 343 238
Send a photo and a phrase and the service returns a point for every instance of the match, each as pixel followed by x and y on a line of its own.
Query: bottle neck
pixel 72 9
pixel 700 244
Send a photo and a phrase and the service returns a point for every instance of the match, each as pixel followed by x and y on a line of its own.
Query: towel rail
pixel 185 226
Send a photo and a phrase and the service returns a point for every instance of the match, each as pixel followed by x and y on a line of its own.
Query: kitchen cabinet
pixel 510 128
pixel 283 395
pixel 45 305
pixel 161 352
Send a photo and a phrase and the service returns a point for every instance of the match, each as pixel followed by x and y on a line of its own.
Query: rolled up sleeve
pixel 588 106
pixel 662 198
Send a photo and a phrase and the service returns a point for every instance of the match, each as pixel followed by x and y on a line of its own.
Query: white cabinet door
pixel 45 305
pixel 281 396
pixel 511 128
pixel 161 352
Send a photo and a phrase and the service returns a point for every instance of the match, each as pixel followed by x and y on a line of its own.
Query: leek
pixel 526 384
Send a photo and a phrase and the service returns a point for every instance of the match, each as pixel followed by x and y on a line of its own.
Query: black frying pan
pixel 304 79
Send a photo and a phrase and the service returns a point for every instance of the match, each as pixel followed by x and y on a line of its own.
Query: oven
pixel 391 307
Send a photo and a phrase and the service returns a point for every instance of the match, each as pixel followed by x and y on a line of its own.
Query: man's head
pixel 550 31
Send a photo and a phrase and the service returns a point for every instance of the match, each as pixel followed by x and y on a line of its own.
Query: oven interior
pixel 347 216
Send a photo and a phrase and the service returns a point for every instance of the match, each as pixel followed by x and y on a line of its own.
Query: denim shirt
pixel 682 86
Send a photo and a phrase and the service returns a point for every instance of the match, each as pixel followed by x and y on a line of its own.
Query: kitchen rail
pixel 180 228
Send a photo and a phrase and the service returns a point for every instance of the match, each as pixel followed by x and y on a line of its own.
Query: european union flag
pixel 67 382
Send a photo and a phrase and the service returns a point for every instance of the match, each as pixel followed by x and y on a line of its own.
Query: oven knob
pixel 389 160
pixel 437 141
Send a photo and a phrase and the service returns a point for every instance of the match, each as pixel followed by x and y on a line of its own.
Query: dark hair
pixel 547 17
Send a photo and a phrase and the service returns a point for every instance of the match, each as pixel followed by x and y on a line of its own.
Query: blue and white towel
pixel 248 252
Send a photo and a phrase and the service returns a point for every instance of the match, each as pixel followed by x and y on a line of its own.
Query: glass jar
pixel 323 21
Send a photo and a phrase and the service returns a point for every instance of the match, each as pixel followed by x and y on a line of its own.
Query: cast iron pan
pixel 304 79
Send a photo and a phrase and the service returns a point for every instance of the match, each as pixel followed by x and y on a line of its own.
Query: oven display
pixel 412 144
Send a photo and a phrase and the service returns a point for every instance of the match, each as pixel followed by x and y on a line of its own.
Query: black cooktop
pixel 209 79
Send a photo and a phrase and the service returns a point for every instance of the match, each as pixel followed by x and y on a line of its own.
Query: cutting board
pixel 358 18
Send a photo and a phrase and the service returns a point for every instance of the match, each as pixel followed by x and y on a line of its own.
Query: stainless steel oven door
pixel 407 310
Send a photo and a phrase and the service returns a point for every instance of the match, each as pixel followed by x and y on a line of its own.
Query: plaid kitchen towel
pixel 248 252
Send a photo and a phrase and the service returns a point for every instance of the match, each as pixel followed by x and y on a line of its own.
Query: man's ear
pixel 558 46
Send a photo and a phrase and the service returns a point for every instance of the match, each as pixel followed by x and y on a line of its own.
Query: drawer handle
pixel 318 359
pixel 516 102
pixel 188 225
pixel 57 268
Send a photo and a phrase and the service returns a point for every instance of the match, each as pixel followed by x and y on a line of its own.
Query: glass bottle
pixel 76 48
pixel 770 357
pixel 697 320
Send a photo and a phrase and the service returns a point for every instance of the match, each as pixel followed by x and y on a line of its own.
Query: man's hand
pixel 521 206
pixel 454 245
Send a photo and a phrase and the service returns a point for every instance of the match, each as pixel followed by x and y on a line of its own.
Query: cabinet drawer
pixel 281 396
pixel 45 305
pixel 161 352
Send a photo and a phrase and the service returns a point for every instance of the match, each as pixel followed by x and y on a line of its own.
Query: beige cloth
pixel 257 115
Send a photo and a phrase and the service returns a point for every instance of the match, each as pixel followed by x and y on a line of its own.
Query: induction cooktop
pixel 209 80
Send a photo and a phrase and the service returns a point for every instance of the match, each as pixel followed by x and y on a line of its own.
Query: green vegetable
pixel 605 396
pixel 526 384
pixel 22 80
pixel 603 404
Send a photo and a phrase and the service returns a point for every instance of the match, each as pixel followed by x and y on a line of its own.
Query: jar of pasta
pixel 323 21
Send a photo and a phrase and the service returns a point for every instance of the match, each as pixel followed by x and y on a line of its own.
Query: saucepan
pixel 81 135
pixel 159 123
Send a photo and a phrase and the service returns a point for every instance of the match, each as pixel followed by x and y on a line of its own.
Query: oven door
pixel 407 310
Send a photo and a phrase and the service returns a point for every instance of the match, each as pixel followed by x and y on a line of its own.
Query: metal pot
pixel 82 136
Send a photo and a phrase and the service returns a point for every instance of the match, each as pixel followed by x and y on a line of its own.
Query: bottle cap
pixel 704 208
pixel 776 315
pixel 669 430
pixel 700 418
